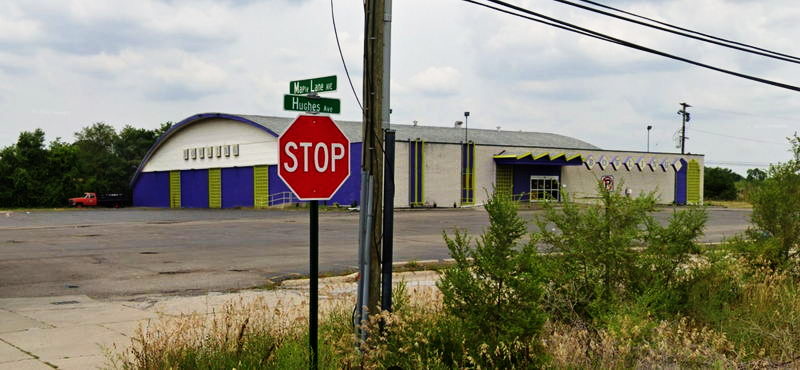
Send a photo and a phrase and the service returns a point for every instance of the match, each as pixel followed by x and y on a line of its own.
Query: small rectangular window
pixel 186 154
pixel 235 150
pixel 219 151
pixel 210 151
pixel 194 153
pixel 202 152
pixel 227 150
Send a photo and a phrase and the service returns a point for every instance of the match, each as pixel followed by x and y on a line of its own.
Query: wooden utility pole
pixel 375 105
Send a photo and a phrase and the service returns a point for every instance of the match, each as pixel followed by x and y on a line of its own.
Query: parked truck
pixel 115 200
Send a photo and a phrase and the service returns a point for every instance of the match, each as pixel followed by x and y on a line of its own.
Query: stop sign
pixel 313 157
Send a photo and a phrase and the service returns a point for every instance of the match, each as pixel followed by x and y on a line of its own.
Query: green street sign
pixel 313 105
pixel 313 85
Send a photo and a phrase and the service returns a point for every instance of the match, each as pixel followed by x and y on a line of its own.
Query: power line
pixel 346 72
pixel 740 164
pixel 737 113
pixel 690 34
pixel 737 137
pixel 553 22
pixel 688 30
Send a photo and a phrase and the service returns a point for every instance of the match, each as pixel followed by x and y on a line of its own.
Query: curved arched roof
pixel 352 129
pixel 186 122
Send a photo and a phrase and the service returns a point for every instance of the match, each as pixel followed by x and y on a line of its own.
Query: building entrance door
pixel 545 188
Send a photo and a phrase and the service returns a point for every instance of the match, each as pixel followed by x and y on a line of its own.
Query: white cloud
pixel 144 62
pixel 16 27
pixel 437 81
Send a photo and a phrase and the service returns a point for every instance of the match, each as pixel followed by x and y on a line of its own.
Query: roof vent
pixel 498 128
pixel 458 124
pixel 415 123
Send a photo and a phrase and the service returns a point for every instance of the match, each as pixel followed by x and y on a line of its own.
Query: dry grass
pixel 737 204
pixel 761 330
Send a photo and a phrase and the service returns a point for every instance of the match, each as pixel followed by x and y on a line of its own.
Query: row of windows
pixel 211 151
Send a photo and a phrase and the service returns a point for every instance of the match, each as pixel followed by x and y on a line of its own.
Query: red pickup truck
pixel 103 200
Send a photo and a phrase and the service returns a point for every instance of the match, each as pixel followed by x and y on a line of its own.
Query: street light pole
pixel 466 127
pixel 649 127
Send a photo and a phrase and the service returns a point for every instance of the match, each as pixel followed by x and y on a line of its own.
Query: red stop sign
pixel 313 157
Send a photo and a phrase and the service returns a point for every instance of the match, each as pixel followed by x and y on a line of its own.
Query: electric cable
pixel 346 72
pixel 687 30
pixel 711 40
pixel 735 137
pixel 735 163
pixel 553 22
pixel 750 114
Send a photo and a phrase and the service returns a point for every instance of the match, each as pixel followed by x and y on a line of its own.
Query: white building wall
pixel 256 147
pixel 401 174
pixel 580 181
pixel 442 174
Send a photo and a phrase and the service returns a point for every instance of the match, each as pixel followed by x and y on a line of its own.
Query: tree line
pixel 34 173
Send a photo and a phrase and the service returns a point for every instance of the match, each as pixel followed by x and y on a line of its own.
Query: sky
pixel 67 64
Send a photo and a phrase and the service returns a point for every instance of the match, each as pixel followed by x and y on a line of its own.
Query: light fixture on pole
pixel 466 127
pixel 649 127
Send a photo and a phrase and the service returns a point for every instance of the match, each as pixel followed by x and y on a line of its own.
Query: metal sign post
pixel 314 162
pixel 313 307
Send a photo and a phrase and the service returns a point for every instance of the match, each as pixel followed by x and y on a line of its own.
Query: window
pixel 219 151
pixel 186 154
pixel 545 188
pixel 194 153
pixel 235 150
pixel 202 152
pixel 210 151
pixel 227 150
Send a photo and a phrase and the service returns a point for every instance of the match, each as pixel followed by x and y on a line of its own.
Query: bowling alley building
pixel 218 160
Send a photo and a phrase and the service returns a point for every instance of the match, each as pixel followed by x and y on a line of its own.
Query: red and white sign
pixel 313 157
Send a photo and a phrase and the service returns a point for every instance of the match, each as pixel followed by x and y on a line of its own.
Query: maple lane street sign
pixel 313 85
pixel 313 157
pixel 311 104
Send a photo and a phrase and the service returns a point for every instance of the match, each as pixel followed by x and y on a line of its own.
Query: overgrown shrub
pixel 493 291
pixel 776 211
pixel 613 252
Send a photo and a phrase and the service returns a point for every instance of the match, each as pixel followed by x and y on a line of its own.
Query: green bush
pixel 494 289
pixel 616 252
pixel 776 211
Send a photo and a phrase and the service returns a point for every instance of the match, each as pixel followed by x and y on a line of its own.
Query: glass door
pixel 545 188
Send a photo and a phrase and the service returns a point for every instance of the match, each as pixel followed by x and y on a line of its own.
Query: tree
pixel 720 183
pixel 101 170
pixel 756 175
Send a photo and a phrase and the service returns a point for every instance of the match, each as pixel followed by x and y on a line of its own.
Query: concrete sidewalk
pixel 72 332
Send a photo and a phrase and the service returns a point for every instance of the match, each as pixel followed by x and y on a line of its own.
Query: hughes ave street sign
pixel 311 104
pixel 313 157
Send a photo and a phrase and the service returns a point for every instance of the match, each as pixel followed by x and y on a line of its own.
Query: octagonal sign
pixel 313 157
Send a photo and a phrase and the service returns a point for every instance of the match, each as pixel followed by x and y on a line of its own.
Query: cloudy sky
pixel 65 64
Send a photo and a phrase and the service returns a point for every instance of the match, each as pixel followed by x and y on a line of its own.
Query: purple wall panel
pixel 349 192
pixel 237 187
pixel 680 184
pixel 151 190
pixel 194 189
pixel 522 176
pixel 276 185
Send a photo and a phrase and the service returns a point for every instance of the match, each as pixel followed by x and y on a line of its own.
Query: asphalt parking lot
pixel 107 253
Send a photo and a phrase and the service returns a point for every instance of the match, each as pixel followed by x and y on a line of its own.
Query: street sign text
pixel 313 85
